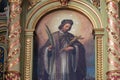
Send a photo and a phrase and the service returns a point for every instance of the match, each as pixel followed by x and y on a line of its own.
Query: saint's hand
pixel 69 48
pixel 50 47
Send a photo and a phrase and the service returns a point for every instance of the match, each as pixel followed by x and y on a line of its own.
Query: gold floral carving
pixel 13 75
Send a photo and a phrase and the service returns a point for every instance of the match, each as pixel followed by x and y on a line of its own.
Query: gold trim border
pixel 28 57
pixel 57 7
pixel 99 33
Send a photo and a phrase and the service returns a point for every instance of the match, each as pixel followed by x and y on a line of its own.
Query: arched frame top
pixel 43 8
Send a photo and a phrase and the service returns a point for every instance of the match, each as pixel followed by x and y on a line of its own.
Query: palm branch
pixel 51 40
pixel 50 37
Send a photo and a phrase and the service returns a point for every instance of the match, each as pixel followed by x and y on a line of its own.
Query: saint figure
pixel 65 60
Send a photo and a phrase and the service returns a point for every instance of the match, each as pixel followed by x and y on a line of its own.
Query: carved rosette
pixel 113 40
pixel 13 64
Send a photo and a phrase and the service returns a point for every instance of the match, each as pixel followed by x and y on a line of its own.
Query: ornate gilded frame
pixel 81 6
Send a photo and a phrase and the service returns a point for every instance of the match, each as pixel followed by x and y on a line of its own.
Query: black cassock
pixel 63 65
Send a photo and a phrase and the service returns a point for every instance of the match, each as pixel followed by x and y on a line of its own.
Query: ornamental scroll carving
pixel 96 3
pixel 64 2
pixel 32 3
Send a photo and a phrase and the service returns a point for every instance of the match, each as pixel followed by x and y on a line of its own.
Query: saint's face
pixel 66 27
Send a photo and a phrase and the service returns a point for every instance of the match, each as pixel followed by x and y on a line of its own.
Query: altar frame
pixel 43 8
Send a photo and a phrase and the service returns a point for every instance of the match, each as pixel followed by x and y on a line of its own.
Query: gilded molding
pixel 58 7
pixel 77 1
pixel 36 9
pixel 28 66
pixel 99 33
pixel 99 50
pixel 99 54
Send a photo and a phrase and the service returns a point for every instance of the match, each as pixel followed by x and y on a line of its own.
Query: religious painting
pixel 64 47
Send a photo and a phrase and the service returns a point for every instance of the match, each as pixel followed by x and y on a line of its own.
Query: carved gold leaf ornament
pixel 96 3
pixel 32 3
pixel 64 2
pixel 12 75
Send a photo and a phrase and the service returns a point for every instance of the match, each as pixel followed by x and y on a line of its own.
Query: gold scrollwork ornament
pixel 32 3
pixel 64 2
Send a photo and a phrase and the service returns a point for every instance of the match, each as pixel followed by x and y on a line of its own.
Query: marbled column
pixel 13 60
pixel 113 41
